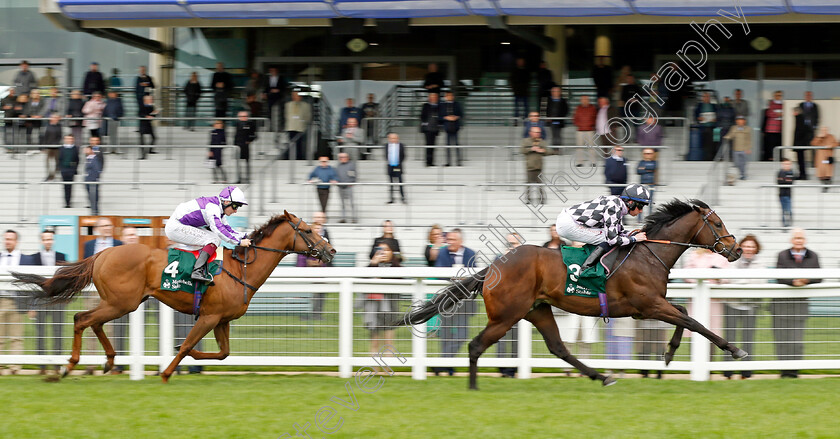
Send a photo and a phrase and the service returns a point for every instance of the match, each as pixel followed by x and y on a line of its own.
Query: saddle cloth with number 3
pixel 176 275
pixel 590 283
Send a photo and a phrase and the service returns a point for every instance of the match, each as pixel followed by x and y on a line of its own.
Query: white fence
pixel 316 317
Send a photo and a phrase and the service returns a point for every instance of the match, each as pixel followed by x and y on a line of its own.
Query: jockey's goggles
pixel 235 205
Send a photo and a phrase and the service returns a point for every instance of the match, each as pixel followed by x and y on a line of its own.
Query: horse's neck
pixel 683 230
pixel 257 271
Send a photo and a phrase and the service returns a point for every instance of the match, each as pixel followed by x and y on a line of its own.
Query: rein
pixel 311 252
pixel 718 247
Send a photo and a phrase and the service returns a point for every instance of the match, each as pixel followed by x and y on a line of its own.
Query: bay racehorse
pixel 530 280
pixel 127 275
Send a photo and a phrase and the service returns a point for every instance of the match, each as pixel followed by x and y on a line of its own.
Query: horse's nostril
pixel 332 251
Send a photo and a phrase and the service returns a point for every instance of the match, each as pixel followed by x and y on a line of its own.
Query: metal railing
pixel 317 317
pixel 765 212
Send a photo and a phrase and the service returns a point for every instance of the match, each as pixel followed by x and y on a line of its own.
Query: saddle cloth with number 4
pixel 176 275
pixel 587 284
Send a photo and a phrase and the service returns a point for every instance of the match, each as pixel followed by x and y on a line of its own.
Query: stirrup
pixel 202 275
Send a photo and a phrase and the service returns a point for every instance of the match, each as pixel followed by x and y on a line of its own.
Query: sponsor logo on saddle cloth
pixel 587 284
pixel 177 274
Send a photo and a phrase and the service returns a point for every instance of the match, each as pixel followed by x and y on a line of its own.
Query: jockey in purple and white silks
pixel 201 224
pixel 598 222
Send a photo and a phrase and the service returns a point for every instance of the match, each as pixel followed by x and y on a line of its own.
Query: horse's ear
pixel 287 215
pixel 697 209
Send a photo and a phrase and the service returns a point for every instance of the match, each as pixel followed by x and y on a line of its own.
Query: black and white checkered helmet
pixel 636 192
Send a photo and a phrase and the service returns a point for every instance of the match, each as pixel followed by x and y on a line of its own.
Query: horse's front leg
pixel 222 333
pixel 668 313
pixel 201 328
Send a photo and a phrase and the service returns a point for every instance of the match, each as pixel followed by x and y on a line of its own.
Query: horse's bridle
pixel 313 251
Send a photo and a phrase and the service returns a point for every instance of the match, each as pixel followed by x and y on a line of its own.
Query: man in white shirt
pixel 55 313
pixel 11 319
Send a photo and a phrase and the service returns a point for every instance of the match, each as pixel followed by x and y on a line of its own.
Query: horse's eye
pixel 718 225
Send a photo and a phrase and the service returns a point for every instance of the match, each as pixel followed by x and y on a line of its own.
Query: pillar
pixel 557 60
pixel 162 69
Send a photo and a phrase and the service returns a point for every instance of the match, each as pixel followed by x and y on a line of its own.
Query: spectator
pixel 430 125
pixel 92 110
pixel 370 109
pixel 48 80
pixel 34 111
pixel 520 83
pixel 451 114
pixel 54 103
pixel 246 133
pixel 619 340
pixel 381 309
pixel 350 110
pixel 95 145
pixel 508 344
pixel 741 137
pixel 802 136
pixel 555 242
pixel 129 236
pixel 790 315
pixel 556 107
pixel 298 115
pixel 726 116
pixel 112 112
pixel 824 157
pixel 742 107
pixel 739 315
pixel 436 242
pixel 533 121
pixel 323 174
pixel 143 85
pixel 51 139
pixel 24 80
pixel 147 114
pixel 93 80
pixel 785 179
pixel 254 87
pixel 55 313
pixel 253 106
pixel 217 138
pixel 74 110
pixel 605 132
pixel 584 120
pixel 20 125
pixel 629 89
pixel 647 172
pixel 602 75
pixel 321 218
pixel 387 238
pixel 534 148
pixel 11 318
pixel 68 164
pixel 433 81
pixel 545 82
pixel 222 84
pixel 93 169
pixel 615 170
pixel 275 88
pixel 395 155
pixel 772 126
pixel 346 173
pixel 192 92
pixel 7 104
pixel 114 81
pixel 352 135
pixel 650 134
pixel 454 330
pixel 810 116
pixel 705 113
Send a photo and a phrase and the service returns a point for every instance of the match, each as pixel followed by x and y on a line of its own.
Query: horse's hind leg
pixel 676 338
pixel 92 318
pixel 222 333
pixel 486 338
pixel 110 353
pixel 543 320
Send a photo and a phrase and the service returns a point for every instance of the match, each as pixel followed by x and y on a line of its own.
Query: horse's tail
pixel 446 302
pixel 65 283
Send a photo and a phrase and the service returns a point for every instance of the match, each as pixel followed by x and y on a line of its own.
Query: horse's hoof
pixel 64 371
pixel 164 378
pixel 739 354
pixel 609 381
pixel 106 368
pixel 668 357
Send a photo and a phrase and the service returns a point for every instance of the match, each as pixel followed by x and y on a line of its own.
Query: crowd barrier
pixel 317 317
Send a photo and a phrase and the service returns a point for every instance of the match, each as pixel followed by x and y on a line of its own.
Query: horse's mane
pixel 267 229
pixel 670 212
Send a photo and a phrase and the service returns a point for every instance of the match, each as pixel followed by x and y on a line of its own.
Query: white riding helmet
pixel 234 195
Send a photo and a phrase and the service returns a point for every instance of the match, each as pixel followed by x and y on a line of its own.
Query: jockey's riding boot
pixel 200 269
pixel 594 257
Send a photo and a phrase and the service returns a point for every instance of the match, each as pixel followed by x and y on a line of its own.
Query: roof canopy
pixel 279 9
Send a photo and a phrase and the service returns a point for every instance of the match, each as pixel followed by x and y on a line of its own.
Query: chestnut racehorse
pixel 127 275
pixel 531 279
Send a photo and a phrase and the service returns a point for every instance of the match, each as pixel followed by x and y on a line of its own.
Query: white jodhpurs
pixel 188 237
pixel 572 230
